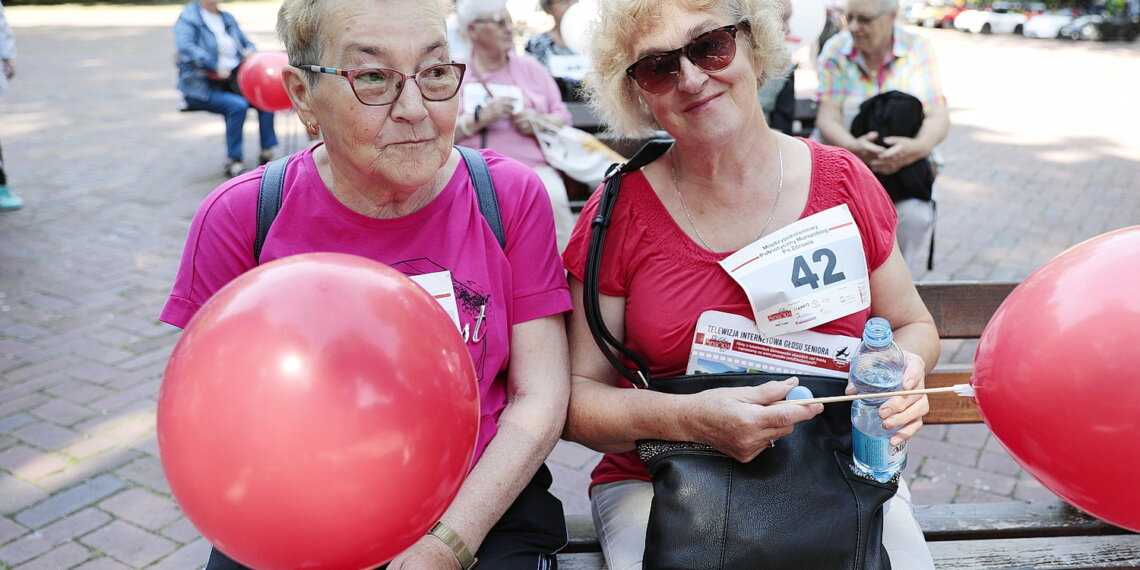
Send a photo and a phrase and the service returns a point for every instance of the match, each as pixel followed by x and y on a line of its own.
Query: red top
pixel 668 280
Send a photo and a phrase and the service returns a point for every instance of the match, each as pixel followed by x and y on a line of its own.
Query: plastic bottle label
pixel 876 452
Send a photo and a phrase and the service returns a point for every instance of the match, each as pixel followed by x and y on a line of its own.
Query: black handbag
pixel 796 505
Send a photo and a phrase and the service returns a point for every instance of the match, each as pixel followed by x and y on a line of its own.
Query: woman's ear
pixel 297 87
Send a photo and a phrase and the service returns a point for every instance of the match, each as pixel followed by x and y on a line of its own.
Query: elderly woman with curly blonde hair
pixel 693 69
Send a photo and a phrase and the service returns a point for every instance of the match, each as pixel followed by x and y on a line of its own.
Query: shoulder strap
pixel 485 188
pixel 590 300
pixel 268 201
pixel 273 179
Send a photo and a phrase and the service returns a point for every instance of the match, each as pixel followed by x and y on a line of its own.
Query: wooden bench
pixel 1048 534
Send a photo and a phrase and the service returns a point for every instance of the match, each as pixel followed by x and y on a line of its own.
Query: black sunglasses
pixel 711 51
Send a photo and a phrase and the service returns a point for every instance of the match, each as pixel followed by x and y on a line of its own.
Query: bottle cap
pixel 877 332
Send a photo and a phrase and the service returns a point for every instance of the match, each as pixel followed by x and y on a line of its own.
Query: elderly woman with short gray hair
pixel 387 183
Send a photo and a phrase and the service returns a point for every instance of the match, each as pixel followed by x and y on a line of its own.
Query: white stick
pixel 961 389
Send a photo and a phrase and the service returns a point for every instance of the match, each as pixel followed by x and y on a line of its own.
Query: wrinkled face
pixel 870 25
pixel 404 144
pixel 493 32
pixel 703 106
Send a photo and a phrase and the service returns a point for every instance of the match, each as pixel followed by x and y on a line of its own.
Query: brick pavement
pixel 112 173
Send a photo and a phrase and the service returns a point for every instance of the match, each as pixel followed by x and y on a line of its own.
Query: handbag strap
pixel 606 341
pixel 273 180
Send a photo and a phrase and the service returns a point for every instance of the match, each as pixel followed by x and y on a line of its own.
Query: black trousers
pixel 526 538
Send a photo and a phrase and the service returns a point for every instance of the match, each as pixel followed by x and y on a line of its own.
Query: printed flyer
pixel 725 342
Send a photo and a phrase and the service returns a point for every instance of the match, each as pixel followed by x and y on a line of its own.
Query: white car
pixel 1046 25
pixel 995 21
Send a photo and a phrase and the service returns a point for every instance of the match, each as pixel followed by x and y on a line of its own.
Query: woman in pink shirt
pixel 386 183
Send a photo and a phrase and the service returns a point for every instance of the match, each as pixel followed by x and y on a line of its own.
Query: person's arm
pixel 189 51
pixel 895 298
pixel 529 426
pixel 829 121
pixel 902 151
pixel 555 112
pixel 609 418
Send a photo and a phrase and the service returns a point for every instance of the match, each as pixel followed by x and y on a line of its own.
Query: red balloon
pixel 320 411
pixel 1055 381
pixel 259 79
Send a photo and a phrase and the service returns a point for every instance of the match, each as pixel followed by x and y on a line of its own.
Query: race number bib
pixel 571 66
pixel 439 286
pixel 808 273
pixel 475 95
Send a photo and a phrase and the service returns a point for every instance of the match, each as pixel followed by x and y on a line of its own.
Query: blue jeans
pixel 234 107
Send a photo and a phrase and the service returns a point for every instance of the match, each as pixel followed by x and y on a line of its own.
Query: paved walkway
pixel 1043 155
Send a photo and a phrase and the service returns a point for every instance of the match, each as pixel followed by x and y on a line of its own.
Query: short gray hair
pixel 467 11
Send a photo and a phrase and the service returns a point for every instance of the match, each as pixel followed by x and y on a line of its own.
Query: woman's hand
pixel 743 422
pixel 494 110
pixel 427 553
pixel 905 411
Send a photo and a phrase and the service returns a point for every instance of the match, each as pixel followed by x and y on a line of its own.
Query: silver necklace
pixel 677 189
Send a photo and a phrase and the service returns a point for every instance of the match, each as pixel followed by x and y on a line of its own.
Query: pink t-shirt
pixel 540 93
pixel 668 280
pixel 496 287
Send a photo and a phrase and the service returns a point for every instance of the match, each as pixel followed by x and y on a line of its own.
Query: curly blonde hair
pixel 617 100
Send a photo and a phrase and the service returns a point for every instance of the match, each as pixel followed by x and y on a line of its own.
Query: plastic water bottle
pixel 877 366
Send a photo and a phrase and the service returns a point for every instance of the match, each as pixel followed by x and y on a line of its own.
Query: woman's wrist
pixel 455 543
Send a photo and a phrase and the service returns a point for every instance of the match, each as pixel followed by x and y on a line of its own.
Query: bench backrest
pixel 961 310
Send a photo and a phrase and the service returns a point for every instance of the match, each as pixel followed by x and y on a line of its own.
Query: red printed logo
pixel 780 315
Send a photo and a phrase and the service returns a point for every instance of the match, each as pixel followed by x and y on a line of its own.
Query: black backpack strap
pixel 591 276
pixel 268 201
pixel 485 188
pixel 273 180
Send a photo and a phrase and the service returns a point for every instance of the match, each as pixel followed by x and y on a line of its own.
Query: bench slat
pixel 1120 551
pixel 948 407
pixel 1007 520
pixel 961 309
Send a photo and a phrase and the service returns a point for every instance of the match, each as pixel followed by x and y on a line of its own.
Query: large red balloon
pixel 1056 381
pixel 320 411
pixel 259 79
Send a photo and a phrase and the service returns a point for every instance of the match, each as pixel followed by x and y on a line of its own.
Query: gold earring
pixel 313 129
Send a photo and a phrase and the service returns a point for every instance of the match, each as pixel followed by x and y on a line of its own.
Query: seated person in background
pixel 211 46
pixel 778 96
pixel 550 49
pixel 502 94
pixel 874 55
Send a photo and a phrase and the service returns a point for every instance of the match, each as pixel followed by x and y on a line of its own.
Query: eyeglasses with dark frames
pixel 711 51
pixel 376 86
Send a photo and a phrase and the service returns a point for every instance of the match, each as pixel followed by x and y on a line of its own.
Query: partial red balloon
pixel 260 82
pixel 1056 381
pixel 320 411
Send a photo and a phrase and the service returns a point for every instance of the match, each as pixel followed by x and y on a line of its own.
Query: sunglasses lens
pixel 657 73
pixel 713 51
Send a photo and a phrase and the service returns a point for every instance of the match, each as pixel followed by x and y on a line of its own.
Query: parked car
pixel 1098 27
pixel 1047 25
pixel 938 16
pixel 999 19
